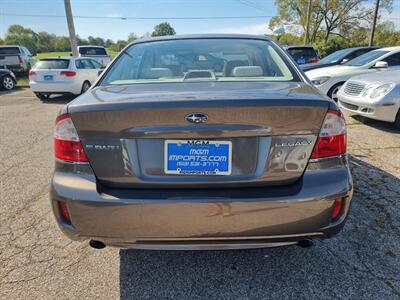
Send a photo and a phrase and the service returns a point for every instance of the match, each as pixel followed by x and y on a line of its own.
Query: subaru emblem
pixel 196 118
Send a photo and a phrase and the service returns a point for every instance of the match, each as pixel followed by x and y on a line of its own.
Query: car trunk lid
pixel 270 130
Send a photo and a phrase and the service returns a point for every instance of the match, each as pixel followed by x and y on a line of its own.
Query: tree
pixel 132 37
pixel 19 35
pixel 163 28
pixel 328 17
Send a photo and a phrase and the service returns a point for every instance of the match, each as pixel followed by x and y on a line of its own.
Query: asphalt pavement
pixel 38 262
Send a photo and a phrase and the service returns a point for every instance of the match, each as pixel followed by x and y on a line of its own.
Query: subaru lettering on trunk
pixel 177 128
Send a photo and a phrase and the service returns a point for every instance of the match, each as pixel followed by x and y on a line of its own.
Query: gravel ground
pixel 37 261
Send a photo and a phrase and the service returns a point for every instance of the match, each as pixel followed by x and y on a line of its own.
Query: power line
pixel 142 18
pixel 250 4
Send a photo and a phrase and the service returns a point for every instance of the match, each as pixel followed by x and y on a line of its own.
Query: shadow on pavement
pixel 385 126
pixel 59 99
pixel 360 263
pixel 10 92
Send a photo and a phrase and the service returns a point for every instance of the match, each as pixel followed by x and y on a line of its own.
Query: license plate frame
pixel 198 157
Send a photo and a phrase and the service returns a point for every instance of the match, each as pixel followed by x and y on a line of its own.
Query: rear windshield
pixel 92 51
pixel 200 60
pixel 303 55
pixel 9 50
pixel 52 64
pixel 366 58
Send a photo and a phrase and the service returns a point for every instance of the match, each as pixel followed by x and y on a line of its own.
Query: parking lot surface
pixel 37 261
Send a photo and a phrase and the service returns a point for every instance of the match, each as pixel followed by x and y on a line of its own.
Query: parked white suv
pixel 16 58
pixel 63 75
pixel 329 80
pixel 98 53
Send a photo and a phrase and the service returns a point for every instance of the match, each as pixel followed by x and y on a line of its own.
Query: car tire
pixel 7 82
pixel 85 87
pixel 334 90
pixel 42 96
pixel 397 121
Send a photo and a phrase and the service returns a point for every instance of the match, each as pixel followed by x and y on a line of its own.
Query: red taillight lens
pixel 20 60
pixel 67 145
pixel 332 137
pixel 337 208
pixel 64 212
pixel 68 73
pixel 31 72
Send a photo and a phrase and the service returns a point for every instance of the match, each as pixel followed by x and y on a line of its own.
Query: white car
pixel 374 95
pixel 63 75
pixel 97 53
pixel 329 80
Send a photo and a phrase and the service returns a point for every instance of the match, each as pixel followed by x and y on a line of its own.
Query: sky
pixel 114 27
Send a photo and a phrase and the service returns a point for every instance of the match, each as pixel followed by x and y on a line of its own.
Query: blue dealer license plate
pixel 197 157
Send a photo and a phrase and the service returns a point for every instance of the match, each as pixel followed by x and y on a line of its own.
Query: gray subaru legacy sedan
pixel 201 142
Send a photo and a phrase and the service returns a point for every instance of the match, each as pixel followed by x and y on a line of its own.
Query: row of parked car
pixel 363 80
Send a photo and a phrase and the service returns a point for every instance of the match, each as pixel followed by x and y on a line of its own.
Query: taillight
pixel 336 209
pixel 68 73
pixel 31 72
pixel 64 212
pixel 332 137
pixel 67 145
pixel 20 60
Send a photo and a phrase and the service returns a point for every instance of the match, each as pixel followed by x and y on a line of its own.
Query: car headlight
pixel 381 90
pixel 320 80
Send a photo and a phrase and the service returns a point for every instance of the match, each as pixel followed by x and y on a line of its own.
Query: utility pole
pixel 371 38
pixel 71 28
pixel 306 35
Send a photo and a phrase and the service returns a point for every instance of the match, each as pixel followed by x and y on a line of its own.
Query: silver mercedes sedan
pixel 201 142
pixel 373 95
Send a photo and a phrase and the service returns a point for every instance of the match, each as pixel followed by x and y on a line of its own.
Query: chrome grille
pixel 354 88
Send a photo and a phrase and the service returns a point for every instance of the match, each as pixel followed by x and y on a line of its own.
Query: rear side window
pixel 92 51
pixel 84 64
pixel 9 50
pixel 53 64
pixel 303 55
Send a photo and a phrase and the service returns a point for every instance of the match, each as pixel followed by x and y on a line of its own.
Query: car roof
pixel 395 48
pixel 299 46
pixel 91 46
pixel 201 36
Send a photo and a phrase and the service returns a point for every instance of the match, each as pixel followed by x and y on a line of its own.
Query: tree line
pixel 334 24
pixel 39 42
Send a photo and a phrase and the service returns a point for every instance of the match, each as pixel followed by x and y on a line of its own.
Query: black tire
pixel 333 91
pixel 7 82
pixel 42 96
pixel 85 87
pixel 397 121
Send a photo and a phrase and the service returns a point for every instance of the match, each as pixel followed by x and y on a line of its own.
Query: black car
pixel 302 54
pixel 338 57
pixel 7 79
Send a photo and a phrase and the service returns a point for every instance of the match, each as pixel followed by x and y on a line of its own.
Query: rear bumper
pixel 55 87
pixel 207 218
